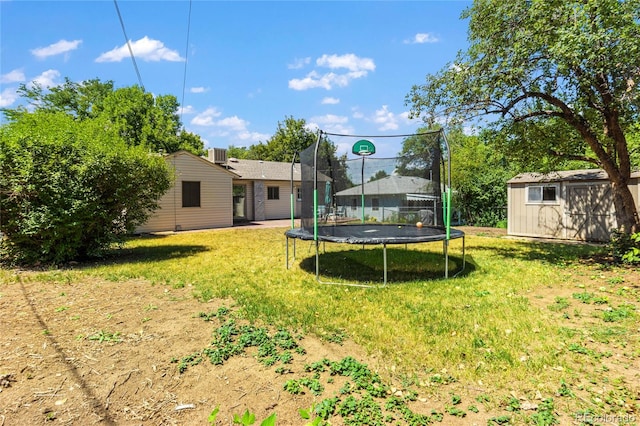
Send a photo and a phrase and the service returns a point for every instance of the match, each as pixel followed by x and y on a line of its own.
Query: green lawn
pixel 532 319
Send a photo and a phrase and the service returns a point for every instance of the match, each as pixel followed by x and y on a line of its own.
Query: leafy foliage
pixel 138 117
pixel 560 80
pixel 69 188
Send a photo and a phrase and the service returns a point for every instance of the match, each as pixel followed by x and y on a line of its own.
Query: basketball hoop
pixel 363 148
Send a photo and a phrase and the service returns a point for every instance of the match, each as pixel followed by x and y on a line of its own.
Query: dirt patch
pixel 100 352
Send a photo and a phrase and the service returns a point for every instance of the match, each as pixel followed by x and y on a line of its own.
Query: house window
pixel 190 194
pixel 354 203
pixel 375 204
pixel 273 192
pixel 542 194
pixel 299 193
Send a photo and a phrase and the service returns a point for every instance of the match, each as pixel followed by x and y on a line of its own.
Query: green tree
pixel 70 188
pixel 290 137
pixel 560 78
pixel 479 175
pixel 140 117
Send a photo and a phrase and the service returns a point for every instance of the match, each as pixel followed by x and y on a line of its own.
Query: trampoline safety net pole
pixel 362 191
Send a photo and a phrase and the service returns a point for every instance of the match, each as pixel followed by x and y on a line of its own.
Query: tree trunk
pixel 626 211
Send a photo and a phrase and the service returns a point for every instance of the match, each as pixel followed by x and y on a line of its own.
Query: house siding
pixel 216 201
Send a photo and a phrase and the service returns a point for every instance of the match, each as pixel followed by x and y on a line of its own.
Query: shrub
pixel 69 189
pixel 625 247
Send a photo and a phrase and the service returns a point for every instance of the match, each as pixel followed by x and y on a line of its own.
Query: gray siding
pixel 584 210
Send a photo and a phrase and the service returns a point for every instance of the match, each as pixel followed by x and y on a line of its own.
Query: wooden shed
pixel 200 198
pixel 571 205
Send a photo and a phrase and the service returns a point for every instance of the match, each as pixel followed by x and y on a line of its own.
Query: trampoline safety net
pixel 353 189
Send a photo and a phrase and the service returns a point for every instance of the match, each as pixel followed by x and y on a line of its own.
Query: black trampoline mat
pixel 376 234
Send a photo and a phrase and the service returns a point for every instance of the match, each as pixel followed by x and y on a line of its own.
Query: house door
pixel 590 212
pixel 239 205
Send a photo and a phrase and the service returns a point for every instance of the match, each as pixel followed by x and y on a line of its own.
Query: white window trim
pixel 545 202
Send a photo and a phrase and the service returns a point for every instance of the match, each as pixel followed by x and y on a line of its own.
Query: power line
pixel 133 58
pixel 186 60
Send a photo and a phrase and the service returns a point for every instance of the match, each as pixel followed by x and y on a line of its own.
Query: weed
pixel 545 416
pixel 559 304
pixel 249 418
pixel 563 390
pixel 105 336
pixel 584 297
pixel 212 417
pixel 62 308
pixel 454 411
pixel 619 313
pixel 150 307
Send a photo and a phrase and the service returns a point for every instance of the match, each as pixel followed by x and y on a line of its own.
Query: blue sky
pixel 344 67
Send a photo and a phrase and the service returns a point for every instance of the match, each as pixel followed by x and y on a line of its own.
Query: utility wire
pixel 186 60
pixel 133 58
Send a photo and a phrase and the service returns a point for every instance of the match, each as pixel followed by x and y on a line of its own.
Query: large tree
pixel 558 78
pixel 291 136
pixel 140 118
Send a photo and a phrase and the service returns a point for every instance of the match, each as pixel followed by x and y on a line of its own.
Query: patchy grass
pixel 525 322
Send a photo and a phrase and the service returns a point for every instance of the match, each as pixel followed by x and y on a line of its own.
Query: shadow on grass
pixel 553 253
pixel 151 253
pixel 367 266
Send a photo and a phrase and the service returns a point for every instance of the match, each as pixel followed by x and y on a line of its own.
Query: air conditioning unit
pixel 218 155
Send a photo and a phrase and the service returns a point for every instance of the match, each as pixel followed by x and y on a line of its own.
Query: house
pixel 215 192
pixel 572 205
pixel 392 198
pixel 199 199
pixel 262 189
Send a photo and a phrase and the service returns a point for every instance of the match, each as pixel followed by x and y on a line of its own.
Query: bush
pixel 70 189
pixel 625 247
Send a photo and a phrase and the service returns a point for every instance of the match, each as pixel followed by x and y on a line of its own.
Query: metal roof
pixel 393 185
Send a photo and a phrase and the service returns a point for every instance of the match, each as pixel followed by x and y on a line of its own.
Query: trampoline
pixel 374 201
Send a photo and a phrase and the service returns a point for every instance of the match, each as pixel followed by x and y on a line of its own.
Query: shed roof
pixel 566 175
pixel 263 170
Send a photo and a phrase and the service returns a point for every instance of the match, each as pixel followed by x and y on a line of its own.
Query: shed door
pixel 590 212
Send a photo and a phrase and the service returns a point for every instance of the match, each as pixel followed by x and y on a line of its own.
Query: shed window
pixel 299 193
pixel 190 194
pixel 375 204
pixel 542 194
pixel 273 193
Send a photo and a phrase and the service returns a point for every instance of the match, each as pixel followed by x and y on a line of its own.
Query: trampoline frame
pixel 300 233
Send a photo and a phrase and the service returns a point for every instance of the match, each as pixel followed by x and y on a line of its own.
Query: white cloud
pixel 385 119
pixel 147 49
pixel 206 118
pixel 187 109
pixel 47 78
pixel 356 68
pixel 14 76
pixel 348 61
pixel 330 119
pixel 299 63
pixel 422 38
pixel 233 123
pixel 233 128
pixel 330 101
pixel 63 46
pixel 8 97
pixel 199 89
pixel 330 123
